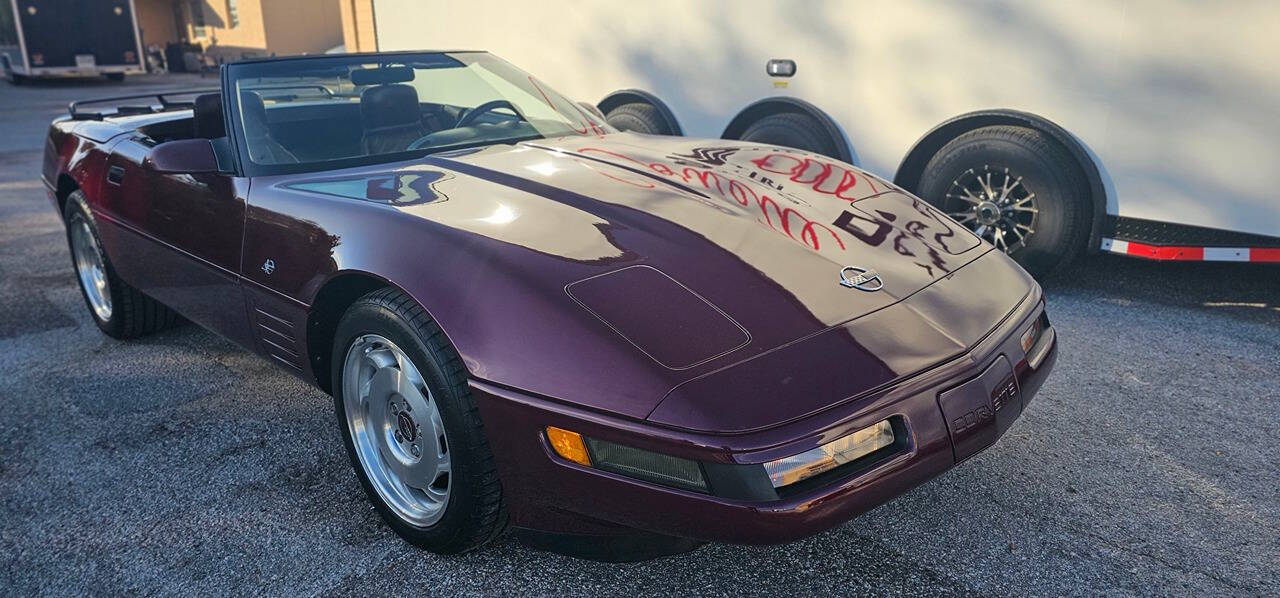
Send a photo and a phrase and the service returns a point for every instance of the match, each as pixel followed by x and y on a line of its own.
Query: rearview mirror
pixel 382 75
pixel 183 156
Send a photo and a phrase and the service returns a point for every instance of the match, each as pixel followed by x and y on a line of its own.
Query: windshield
pixel 298 114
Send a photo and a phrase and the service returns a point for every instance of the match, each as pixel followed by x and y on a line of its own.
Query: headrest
pixel 389 106
pixel 252 110
pixel 207 117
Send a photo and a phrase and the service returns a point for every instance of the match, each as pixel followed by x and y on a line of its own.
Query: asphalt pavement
pixel 181 464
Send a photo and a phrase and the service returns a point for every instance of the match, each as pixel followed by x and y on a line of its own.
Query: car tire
pixel 638 117
pixel 791 129
pixel 1045 178
pixel 120 310
pixel 386 335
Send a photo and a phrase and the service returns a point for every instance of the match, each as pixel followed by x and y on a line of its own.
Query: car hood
pixel 685 256
pixel 855 359
pixel 761 232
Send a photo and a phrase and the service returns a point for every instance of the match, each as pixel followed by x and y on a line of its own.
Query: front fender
pixel 504 308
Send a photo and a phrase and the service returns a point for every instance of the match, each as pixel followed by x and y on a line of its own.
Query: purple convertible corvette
pixel 526 317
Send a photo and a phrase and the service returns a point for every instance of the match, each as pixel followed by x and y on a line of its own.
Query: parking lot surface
pixel 180 463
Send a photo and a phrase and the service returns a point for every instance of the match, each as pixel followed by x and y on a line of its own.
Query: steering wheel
pixel 471 115
pixel 466 119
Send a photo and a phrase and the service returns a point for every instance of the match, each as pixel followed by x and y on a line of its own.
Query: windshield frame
pixel 245 166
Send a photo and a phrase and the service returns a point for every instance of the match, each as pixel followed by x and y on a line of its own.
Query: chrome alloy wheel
pixel 396 430
pixel 89 267
pixel 995 205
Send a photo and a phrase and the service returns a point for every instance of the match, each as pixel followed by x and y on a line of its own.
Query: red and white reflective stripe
pixel 1192 254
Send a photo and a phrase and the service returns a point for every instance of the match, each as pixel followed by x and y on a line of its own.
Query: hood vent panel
pixel 665 320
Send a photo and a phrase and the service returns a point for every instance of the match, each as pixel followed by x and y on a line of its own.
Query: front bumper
pixel 934 408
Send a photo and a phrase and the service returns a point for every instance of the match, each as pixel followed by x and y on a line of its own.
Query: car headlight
pixel 628 461
pixel 1032 334
pixel 789 470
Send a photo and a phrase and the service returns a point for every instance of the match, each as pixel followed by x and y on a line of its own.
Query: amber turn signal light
pixel 568 445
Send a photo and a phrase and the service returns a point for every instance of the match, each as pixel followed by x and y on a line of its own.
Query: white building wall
pixel 1180 101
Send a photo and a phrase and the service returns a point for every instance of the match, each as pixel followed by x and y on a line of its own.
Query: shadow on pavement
pixel 1245 291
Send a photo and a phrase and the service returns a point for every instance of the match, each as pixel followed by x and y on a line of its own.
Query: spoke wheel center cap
pixel 988 213
pixel 408 428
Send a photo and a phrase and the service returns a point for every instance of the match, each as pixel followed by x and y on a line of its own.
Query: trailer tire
pixel 1032 185
pixel 638 117
pixel 791 129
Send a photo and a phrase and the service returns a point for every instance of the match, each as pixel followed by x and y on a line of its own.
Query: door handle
pixel 115 175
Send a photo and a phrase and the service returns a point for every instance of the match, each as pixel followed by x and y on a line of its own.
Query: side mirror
pixel 183 156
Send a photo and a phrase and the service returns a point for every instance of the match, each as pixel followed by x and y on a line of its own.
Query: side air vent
pixel 277 337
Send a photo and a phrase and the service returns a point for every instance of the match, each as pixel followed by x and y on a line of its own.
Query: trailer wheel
pixel 1017 188
pixel 791 129
pixel 639 117
pixel 116 77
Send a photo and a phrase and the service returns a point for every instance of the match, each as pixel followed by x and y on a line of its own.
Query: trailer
pixel 1141 128
pixel 69 38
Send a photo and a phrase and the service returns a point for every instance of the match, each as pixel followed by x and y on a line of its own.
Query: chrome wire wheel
pixel 89 268
pixel 396 430
pixel 996 205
